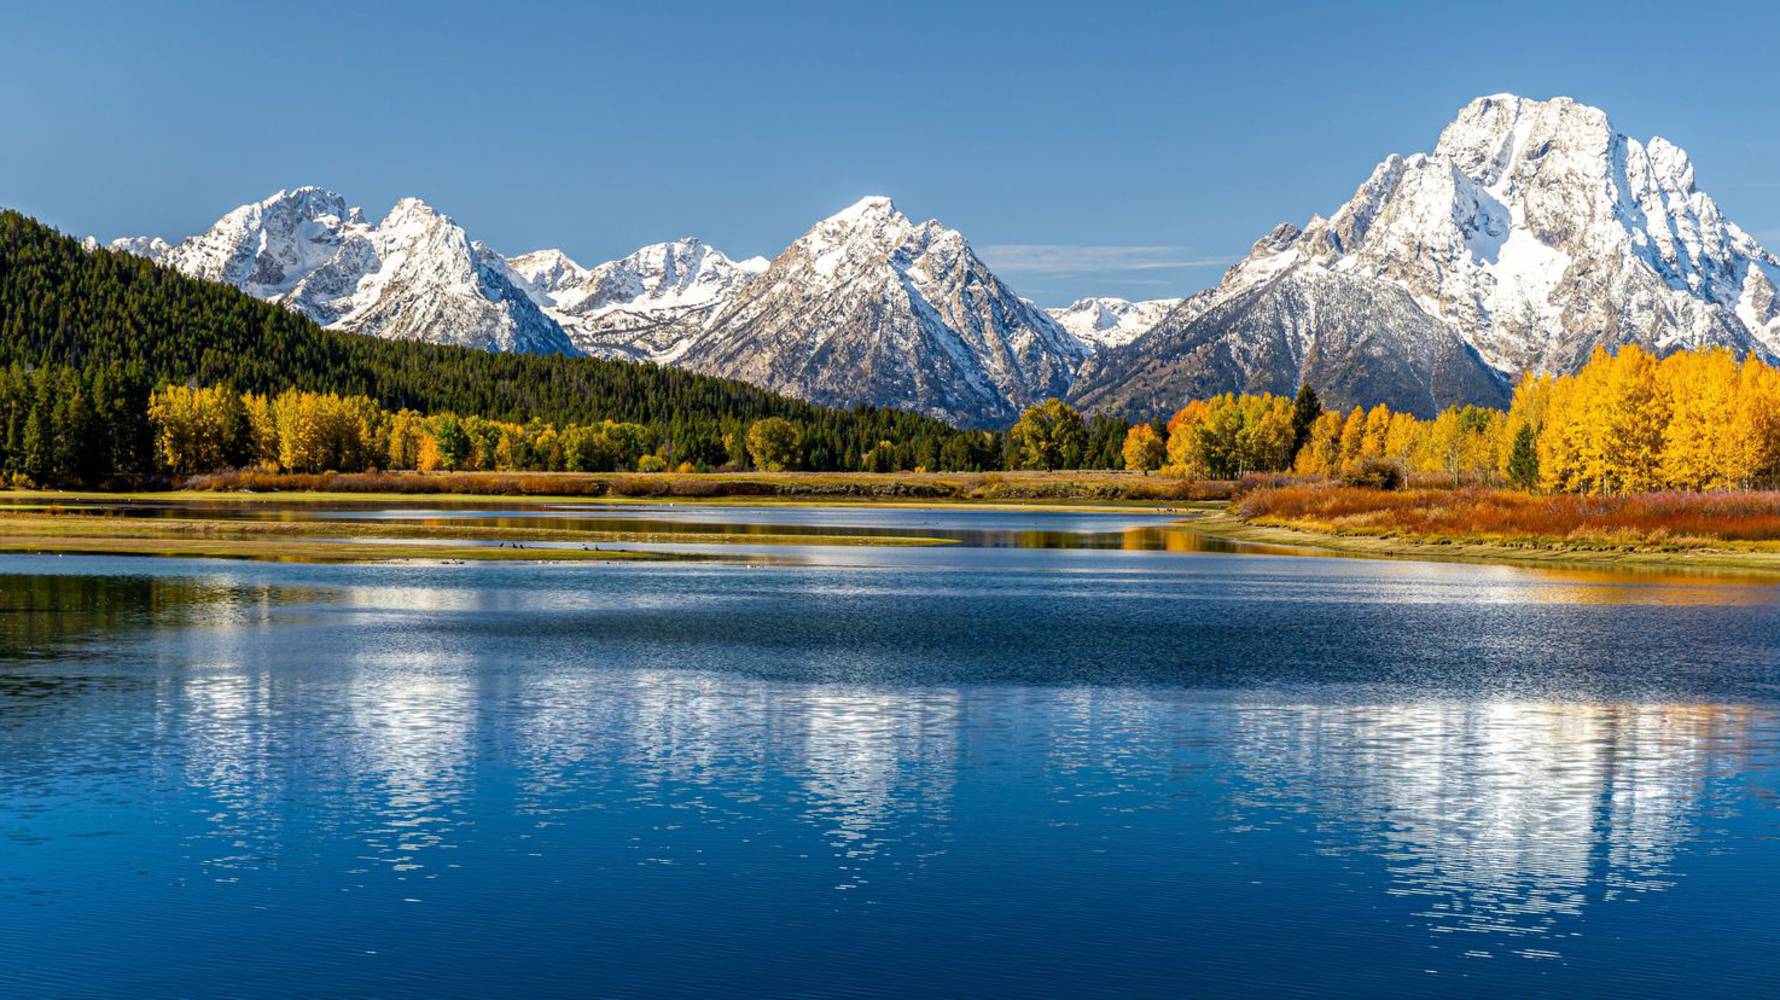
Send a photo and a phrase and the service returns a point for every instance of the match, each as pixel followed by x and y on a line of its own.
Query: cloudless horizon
pixel 1119 149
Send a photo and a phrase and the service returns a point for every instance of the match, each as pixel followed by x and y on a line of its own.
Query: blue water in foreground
pixel 982 769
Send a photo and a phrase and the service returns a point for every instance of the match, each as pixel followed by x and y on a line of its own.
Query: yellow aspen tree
pixel 1700 388
pixel 262 430
pixel 1563 438
pixel 1400 439
pixel 1636 411
pixel 1186 456
pixel 1266 438
pixel 1144 450
pixel 196 429
pixel 406 429
pixel 1586 434
pixel 1353 436
pixel 1321 455
pixel 1377 429
pixel 1753 437
pixel 301 436
pixel 1447 446
pixel 429 458
pixel 173 412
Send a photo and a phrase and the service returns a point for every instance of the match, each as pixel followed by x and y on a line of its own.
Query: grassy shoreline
pixel 1470 526
pixel 1292 518
pixel 33 530
pixel 1112 488
pixel 77 522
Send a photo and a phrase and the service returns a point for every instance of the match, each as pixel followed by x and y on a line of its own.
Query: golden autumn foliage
pixel 1229 436
pixel 1144 450
pixel 1625 423
pixel 196 428
pixel 212 428
pixel 1461 443
pixel 1628 423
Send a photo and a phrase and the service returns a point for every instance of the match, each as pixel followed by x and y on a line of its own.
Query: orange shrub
pixel 1509 515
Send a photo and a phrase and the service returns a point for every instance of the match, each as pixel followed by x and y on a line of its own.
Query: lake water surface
pixel 1067 754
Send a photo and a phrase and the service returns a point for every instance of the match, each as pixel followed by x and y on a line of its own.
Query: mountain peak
pixel 873 206
pixel 649 305
pixel 1532 234
pixel 869 308
pixel 1493 137
pixel 413 208
pixel 307 202
pixel 303 191
pixel 1101 322
pixel 415 275
pixel 870 215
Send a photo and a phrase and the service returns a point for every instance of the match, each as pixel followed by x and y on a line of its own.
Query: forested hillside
pixel 115 326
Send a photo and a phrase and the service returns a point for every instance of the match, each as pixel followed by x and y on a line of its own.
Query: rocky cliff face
pixel 1531 234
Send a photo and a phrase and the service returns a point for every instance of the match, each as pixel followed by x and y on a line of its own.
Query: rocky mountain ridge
pixel 1531 234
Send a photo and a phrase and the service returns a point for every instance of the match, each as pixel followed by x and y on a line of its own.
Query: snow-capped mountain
pixel 413 276
pixel 1109 322
pixel 870 307
pixel 649 306
pixel 1531 234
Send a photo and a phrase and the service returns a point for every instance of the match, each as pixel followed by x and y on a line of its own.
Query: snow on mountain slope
pixel 1532 233
pixel 414 276
pixel 152 247
pixel 1110 322
pixel 650 305
pixel 870 307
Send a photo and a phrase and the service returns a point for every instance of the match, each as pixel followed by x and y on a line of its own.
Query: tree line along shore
pixel 1626 423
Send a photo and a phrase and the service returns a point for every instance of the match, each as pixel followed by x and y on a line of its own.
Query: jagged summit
pixel 1531 234
pixel 545 271
pixel 650 305
pixel 414 276
pixel 871 307
pixel 1110 322
pixel 869 207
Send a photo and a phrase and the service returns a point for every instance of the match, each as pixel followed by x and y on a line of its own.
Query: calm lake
pixel 1067 754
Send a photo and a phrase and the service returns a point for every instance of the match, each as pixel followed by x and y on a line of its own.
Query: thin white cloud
pixel 1065 258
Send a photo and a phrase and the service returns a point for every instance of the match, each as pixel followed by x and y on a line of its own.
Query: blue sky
pixel 1085 148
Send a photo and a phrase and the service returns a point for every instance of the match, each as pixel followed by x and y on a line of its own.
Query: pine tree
pixel 35 460
pixel 1305 409
pixel 1523 459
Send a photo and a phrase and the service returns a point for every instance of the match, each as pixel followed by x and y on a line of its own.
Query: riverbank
pixel 56 529
pixel 1099 486
pixel 1709 532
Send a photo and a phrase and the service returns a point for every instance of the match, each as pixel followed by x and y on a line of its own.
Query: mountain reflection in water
pixel 1051 772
